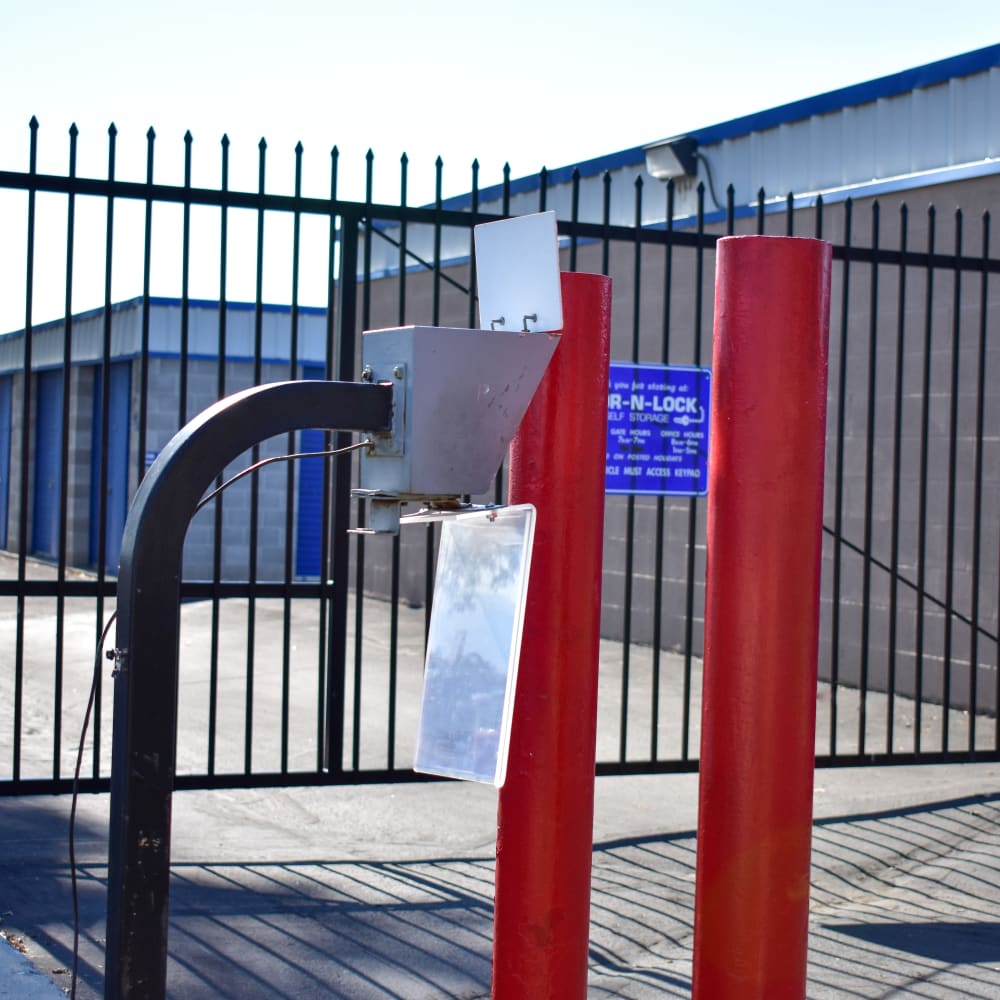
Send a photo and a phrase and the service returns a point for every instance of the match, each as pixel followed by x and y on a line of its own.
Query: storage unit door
pixel 309 535
pixel 48 453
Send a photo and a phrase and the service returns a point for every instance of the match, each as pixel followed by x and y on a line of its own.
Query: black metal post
pixel 145 697
pixel 340 553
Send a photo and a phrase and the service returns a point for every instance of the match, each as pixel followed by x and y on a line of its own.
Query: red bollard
pixel 546 811
pixel 765 506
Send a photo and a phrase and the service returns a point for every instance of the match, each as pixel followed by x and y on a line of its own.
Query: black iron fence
pixel 301 649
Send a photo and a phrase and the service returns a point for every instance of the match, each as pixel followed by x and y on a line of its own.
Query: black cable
pixel 711 182
pixel 97 671
pixel 278 458
pixel 76 790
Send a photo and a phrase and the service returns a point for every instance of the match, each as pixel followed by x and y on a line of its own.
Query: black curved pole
pixel 145 691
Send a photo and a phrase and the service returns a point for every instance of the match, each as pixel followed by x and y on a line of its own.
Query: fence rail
pixel 302 646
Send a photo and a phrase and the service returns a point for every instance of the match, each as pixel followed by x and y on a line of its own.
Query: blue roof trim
pixel 778 204
pixel 300 362
pixel 859 93
pixel 166 301
pixel 234 306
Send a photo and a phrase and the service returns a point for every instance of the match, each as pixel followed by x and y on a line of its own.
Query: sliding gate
pixel 289 676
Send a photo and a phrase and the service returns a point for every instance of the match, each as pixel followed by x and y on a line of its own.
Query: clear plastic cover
pixel 474 643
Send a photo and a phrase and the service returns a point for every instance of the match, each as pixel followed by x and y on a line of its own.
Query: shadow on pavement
pixel 953 943
pixel 898 898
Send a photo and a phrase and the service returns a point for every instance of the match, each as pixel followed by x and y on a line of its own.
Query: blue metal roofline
pixel 230 304
pixel 160 300
pixel 834 100
pixel 778 203
pixel 301 362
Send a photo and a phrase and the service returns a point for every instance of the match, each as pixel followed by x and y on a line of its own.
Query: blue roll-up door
pixel 48 464
pixel 116 487
pixel 310 500
pixel 6 385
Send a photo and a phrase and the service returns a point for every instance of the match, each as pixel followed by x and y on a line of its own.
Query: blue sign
pixel 658 419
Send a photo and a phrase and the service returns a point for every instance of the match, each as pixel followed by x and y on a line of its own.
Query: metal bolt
pixel 398 371
pixel 367 374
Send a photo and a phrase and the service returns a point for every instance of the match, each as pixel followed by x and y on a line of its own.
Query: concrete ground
pixel 386 891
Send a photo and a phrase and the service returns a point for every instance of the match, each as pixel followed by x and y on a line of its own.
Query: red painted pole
pixel 546 812
pixel 765 506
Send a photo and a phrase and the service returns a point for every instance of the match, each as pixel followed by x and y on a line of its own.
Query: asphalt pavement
pixel 386 892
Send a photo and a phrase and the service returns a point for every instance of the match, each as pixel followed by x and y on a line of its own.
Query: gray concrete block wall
pixel 678 324
pixel 16 455
pixel 939 574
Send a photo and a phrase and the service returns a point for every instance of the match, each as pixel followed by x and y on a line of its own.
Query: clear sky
pixel 530 82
